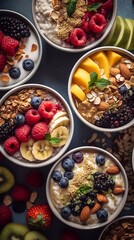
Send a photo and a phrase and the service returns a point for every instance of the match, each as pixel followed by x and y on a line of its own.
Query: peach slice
pixel 90 66
pixel 113 57
pixel 81 78
pixel 78 92
pixel 101 59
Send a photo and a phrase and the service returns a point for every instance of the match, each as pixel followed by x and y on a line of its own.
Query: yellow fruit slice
pixel 101 59
pixel 81 78
pixel 113 57
pixel 77 92
pixel 90 66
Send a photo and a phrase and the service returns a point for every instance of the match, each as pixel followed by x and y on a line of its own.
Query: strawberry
pixel 2 62
pixel 20 193
pixel 39 216
pixel 1 36
pixel 5 215
pixel 35 178
pixel 69 235
pixel 9 45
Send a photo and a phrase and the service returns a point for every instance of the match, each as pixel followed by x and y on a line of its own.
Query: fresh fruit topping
pixel 61 121
pixel 47 109
pixel 69 175
pixel 35 102
pixel 63 183
pixel 100 160
pixel 19 120
pixel 77 157
pixel 6 130
pixel 65 212
pixel 23 133
pixel 14 231
pixel 2 62
pixel 28 64
pixel 19 206
pixel 14 72
pixel 39 130
pixel 69 235
pixel 39 216
pixel 26 150
pixel 102 182
pixel 1 36
pixel 59 136
pixel 97 23
pixel 102 215
pixel 57 175
pixel 7 180
pixel 32 116
pixel 11 145
pixel 68 164
pixel 42 150
pixel 35 178
pixel 34 235
pixel 9 45
pixel 78 37
pixel 20 193
pixel 5 215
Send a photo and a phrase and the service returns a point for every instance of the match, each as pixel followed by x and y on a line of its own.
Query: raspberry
pixel 11 145
pixel 78 37
pixel 20 193
pixel 47 109
pixel 9 45
pixel 23 133
pixel 1 36
pixel 97 23
pixel 5 215
pixel 35 178
pixel 2 62
pixel 32 116
pixel 39 130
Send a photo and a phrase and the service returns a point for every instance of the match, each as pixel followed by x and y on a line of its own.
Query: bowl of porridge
pixel 21 49
pixel 121 228
pixel 101 89
pixel 36 125
pixel 74 26
pixel 87 188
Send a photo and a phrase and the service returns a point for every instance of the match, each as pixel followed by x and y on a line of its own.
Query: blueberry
pixel 68 164
pixel 77 157
pixel 35 102
pixel 69 175
pixel 63 183
pixel 14 72
pixel 100 160
pixel 28 64
pixel 19 120
pixel 65 212
pixel 123 89
pixel 56 176
pixel 102 215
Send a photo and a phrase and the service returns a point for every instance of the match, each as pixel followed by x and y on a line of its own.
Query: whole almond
pixel 95 208
pixel 118 190
pixel 113 170
pixel 85 213
pixel 114 71
pixel 102 198
pixel 103 106
pixel 124 70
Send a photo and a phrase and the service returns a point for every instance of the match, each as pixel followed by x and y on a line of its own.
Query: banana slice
pixel 61 121
pixel 57 115
pixel 62 133
pixel 26 150
pixel 42 150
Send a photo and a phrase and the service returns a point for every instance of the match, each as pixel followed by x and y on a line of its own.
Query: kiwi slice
pixel 6 179
pixel 34 235
pixel 14 231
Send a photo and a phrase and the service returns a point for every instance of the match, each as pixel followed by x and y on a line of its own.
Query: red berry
pixel 35 178
pixel 20 193
pixel 97 23
pixel 5 215
pixel 9 45
pixel 1 36
pixel 47 109
pixel 108 6
pixel 39 131
pixel 69 235
pixel 11 145
pixel 78 37
pixel 32 116
pixel 2 62
pixel 23 133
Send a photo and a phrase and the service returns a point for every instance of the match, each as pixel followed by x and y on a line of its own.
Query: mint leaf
pixel 94 7
pixel 93 79
pixel 102 82
pixel 71 6
pixel 53 140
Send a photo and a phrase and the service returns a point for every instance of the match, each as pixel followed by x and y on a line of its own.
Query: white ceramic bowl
pixel 29 48
pixel 22 99
pixel 42 21
pixel 59 197
pixel 116 224
pixel 87 112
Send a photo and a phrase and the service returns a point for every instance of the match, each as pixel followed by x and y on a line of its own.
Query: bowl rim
pixel 133 158
pixel 89 53
pixel 63 149
pixel 33 28
pixel 113 222
pixel 73 50
pixel 77 225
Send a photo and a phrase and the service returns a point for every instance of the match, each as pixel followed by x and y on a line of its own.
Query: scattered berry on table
pixel 14 72
pixel 19 120
pixel 20 193
pixel 35 178
pixel 39 131
pixel 35 102
pixel 2 61
pixel 11 145
pixel 68 164
pixel 5 215
pixel 19 206
pixel 69 235
pixel 63 183
pixel 23 133
pixel 1 36
pixel 32 116
pixel 28 64
pixel 9 45
pixel 56 175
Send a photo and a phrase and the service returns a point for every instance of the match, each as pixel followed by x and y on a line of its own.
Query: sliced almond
pixel 97 101
pixel 34 47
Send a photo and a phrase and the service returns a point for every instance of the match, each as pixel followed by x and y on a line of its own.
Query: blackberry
pixel 76 208
pixel 102 182
pixel 6 130
pixel 14 27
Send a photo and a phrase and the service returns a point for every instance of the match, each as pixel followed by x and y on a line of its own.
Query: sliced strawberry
pixel 78 37
pixel 2 62
pixel 9 45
